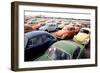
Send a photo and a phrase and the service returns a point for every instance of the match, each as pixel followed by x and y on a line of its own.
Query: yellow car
pixel 83 37
pixel 63 24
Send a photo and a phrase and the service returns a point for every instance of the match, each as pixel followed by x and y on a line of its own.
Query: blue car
pixel 38 42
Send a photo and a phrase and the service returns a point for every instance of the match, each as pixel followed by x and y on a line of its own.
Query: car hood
pixel 81 36
pixel 61 25
pixel 59 33
pixel 43 27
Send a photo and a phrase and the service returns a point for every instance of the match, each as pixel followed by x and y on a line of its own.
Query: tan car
pixel 62 25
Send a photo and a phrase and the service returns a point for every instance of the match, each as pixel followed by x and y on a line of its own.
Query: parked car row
pixel 50 40
pixel 44 43
pixel 39 43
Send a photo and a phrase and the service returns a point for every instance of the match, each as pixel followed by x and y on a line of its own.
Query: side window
pixel 76 53
pixel 44 38
pixel 50 37
pixel 36 41
pixel 39 39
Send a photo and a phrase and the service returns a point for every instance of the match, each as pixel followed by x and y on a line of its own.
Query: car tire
pixel 37 28
pixel 46 30
pixel 57 29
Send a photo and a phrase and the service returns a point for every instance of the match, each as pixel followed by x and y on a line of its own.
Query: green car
pixel 63 50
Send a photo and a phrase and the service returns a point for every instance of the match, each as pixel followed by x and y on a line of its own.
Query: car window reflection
pixel 57 54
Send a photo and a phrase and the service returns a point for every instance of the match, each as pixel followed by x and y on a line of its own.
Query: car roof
pixel 36 33
pixel 67 45
pixel 51 23
pixel 86 29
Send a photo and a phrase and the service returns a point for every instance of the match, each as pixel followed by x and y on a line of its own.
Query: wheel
pixel 46 30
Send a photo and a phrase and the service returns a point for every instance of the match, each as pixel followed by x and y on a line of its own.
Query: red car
pixel 28 28
pixel 37 26
pixel 67 32
pixel 77 28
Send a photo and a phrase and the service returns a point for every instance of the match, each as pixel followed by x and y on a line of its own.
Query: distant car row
pixel 50 24
pixel 64 21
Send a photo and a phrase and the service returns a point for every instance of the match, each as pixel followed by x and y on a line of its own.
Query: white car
pixel 49 27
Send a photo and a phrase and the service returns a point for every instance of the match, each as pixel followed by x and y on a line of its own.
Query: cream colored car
pixel 83 37
pixel 63 24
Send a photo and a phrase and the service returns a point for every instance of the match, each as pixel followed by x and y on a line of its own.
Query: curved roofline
pixel 35 33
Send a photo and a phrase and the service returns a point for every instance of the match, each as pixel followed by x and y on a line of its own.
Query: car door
pixel 50 27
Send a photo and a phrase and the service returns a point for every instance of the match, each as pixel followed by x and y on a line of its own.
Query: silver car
pixel 49 27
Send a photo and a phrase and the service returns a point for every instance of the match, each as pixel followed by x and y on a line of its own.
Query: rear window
pixel 70 29
pixel 51 24
pixel 84 31
pixel 57 54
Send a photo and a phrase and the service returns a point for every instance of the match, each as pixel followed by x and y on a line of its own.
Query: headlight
pixel 86 41
pixel 74 38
